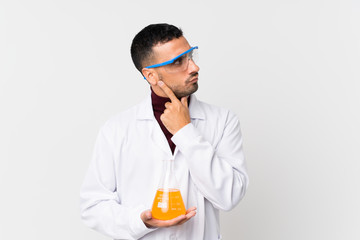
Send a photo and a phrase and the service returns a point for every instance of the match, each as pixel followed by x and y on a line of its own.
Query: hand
pixel 176 114
pixel 150 222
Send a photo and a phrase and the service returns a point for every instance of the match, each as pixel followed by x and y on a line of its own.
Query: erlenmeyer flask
pixel 168 203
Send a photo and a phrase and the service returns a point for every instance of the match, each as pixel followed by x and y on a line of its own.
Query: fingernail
pixel 160 83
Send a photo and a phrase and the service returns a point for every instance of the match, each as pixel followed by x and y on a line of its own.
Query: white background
pixel 288 69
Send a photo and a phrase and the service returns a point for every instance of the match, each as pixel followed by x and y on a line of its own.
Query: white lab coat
pixel 127 162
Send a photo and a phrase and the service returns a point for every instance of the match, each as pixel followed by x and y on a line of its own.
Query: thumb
pixel 184 101
pixel 146 215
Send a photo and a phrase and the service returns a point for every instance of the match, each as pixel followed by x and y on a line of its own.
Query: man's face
pixel 182 83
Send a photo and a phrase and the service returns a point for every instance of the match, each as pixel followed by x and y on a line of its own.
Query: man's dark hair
pixel 141 47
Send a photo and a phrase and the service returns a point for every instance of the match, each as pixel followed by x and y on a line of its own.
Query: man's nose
pixel 193 67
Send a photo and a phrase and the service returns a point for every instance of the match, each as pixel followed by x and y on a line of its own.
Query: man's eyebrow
pixel 183 56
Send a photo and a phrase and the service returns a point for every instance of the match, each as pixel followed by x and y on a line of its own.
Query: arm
pixel 219 174
pixel 100 205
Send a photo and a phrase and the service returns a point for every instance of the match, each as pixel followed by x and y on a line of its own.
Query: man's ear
pixel 151 75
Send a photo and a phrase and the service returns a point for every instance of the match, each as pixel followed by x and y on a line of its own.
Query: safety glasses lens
pixel 182 63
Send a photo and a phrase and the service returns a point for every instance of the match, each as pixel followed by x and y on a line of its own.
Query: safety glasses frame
pixel 172 60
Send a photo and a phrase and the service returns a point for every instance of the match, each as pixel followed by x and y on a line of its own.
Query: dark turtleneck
pixel 158 104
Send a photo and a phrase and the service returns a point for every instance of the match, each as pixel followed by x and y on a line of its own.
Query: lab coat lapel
pixel 146 113
pixel 159 138
pixel 196 113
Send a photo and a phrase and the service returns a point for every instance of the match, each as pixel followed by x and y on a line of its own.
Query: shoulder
pixel 211 108
pixel 215 112
pixel 123 119
pixel 217 119
pixel 213 121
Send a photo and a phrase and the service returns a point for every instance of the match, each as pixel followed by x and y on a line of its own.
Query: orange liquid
pixel 168 204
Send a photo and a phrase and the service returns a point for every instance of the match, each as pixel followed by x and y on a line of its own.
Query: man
pixel 204 141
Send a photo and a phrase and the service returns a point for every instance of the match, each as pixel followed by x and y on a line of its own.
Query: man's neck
pixel 158 91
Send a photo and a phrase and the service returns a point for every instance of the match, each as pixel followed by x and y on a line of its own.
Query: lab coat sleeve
pixel 100 205
pixel 218 172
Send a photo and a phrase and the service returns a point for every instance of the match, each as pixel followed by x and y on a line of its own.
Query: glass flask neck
pixel 168 179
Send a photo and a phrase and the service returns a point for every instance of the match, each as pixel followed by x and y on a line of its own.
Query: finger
pixel 167 104
pixel 189 215
pixel 162 117
pixel 168 91
pixel 171 222
pixel 190 209
pixel 184 101
pixel 146 215
pixel 176 220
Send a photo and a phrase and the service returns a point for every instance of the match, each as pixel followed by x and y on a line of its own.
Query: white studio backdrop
pixel 288 69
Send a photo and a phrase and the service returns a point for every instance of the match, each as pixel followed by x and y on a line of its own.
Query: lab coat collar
pixel 145 111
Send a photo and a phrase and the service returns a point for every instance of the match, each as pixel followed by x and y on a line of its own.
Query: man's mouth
pixel 194 78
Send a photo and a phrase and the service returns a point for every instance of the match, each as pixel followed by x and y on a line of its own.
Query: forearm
pixel 100 203
pixel 219 174
pixel 116 221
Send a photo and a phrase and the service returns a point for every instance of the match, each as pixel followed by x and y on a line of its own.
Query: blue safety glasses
pixel 178 63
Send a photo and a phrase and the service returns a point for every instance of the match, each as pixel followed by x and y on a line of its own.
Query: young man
pixel 205 142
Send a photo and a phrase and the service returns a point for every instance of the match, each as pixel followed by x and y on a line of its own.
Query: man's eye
pixel 178 61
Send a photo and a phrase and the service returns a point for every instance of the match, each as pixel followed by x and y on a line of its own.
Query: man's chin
pixel 193 89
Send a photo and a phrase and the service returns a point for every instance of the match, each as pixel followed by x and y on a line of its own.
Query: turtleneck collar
pixel 158 102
